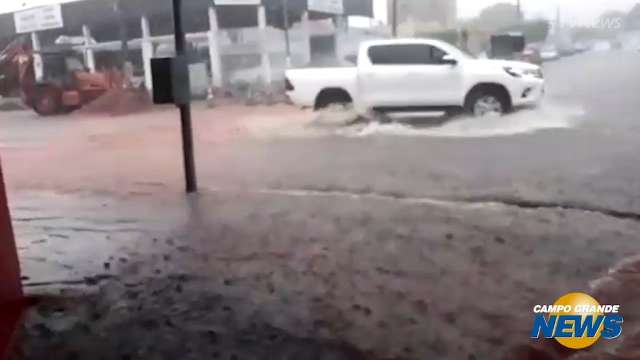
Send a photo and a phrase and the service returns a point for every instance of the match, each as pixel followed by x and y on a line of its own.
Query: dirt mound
pixel 120 102
pixel 11 105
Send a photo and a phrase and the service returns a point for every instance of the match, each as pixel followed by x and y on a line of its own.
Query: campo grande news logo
pixel 577 321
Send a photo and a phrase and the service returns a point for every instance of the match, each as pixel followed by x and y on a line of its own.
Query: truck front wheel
pixel 487 101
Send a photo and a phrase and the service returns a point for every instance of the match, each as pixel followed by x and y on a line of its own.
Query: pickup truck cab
pixel 418 75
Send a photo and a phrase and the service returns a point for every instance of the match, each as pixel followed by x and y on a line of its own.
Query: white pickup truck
pixel 418 75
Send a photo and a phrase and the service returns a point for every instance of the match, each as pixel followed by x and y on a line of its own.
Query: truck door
pixel 382 76
pixel 400 75
pixel 435 82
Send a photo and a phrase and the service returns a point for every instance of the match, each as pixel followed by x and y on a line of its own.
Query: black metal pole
pixel 185 110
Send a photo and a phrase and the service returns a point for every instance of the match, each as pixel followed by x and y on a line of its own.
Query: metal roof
pixel 103 21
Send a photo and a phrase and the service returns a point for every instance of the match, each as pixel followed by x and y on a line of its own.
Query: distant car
pixel 568 50
pixel 549 53
pixel 581 47
pixel 418 75
pixel 602 46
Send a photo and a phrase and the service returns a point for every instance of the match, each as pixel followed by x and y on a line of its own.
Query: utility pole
pixel 520 15
pixel 123 34
pixel 285 17
pixel 185 109
pixel 394 18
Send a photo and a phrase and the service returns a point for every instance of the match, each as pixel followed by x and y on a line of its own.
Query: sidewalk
pixel 392 278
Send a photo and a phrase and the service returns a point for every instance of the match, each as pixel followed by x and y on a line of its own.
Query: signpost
pixel 327 6
pixel 184 106
pixel 38 19
pixel 34 20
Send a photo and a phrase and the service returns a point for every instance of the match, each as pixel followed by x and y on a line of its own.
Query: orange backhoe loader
pixel 65 85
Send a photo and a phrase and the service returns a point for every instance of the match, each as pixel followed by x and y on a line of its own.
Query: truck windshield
pixel 454 51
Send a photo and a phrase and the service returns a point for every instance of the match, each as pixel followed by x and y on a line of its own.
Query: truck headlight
pixel 518 73
pixel 535 73
pixel 513 72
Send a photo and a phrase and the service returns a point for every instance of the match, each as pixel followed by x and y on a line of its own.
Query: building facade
pixel 420 16
pixel 104 21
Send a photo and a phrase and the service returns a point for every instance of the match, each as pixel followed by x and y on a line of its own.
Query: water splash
pixel 347 123
pixel 520 122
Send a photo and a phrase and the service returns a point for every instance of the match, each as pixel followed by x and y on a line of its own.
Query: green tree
pixel 632 21
pixel 450 36
pixel 497 16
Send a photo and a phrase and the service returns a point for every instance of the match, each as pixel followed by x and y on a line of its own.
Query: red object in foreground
pixel 12 301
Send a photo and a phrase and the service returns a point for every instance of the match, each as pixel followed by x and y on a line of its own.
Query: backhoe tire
pixel 48 102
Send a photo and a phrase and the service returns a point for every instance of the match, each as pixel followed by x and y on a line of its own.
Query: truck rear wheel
pixel 333 97
pixel 48 102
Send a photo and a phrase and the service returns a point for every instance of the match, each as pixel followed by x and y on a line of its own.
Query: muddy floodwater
pixel 317 237
pixel 248 273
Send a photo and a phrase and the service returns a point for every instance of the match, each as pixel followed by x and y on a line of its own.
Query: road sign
pixel 38 19
pixel 237 2
pixel 327 6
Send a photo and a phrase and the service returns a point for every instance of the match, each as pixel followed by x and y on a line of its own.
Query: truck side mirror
pixel 449 60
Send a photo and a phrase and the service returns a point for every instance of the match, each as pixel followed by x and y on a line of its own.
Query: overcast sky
pixel 574 11
pixel 580 11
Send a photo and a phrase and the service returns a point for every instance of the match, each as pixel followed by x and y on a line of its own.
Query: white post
pixel 264 47
pixel 306 35
pixel 38 66
pixel 214 49
pixel 341 26
pixel 89 57
pixel 147 53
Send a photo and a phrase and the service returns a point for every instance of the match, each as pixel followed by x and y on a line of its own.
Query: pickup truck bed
pixel 333 78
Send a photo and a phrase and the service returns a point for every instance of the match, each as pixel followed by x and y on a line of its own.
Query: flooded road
pixel 403 242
